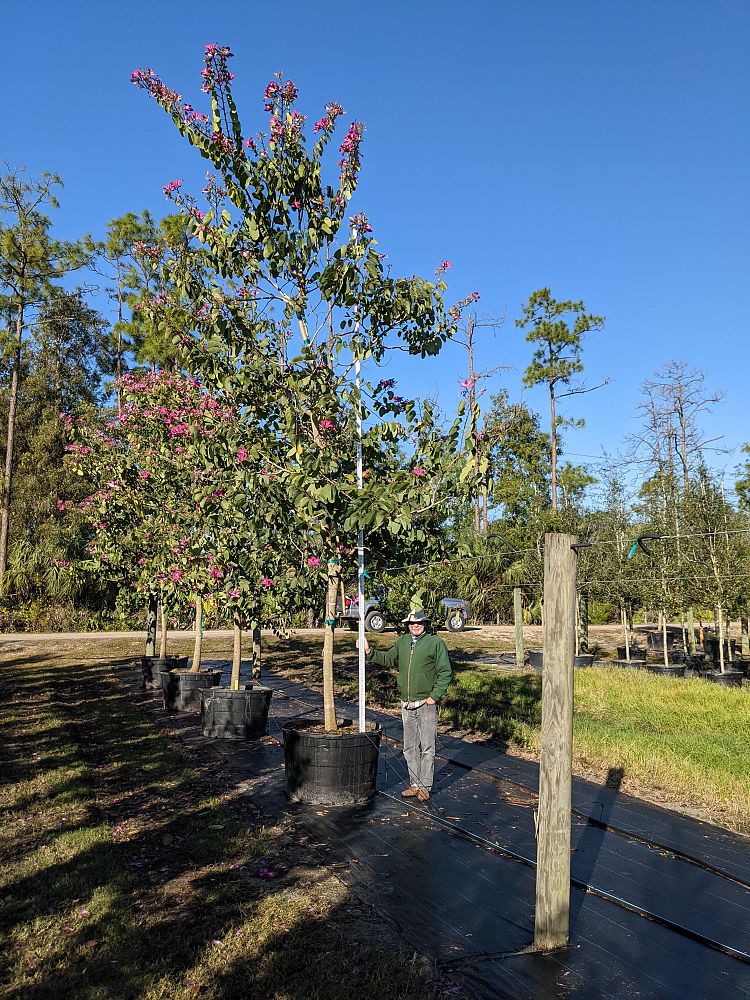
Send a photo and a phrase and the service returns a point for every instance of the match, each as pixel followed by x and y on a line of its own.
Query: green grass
pixel 128 870
pixel 686 741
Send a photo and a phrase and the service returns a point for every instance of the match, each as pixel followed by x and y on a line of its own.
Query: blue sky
pixel 597 147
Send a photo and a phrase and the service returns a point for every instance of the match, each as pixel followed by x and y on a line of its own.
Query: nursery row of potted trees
pixel 232 477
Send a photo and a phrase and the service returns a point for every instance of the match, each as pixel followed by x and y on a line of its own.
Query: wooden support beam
pixel 518 622
pixel 552 915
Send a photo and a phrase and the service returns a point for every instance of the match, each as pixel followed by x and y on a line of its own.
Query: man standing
pixel 424 672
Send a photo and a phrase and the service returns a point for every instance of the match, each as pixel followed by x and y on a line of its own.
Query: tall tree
pixel 30 262
pixel 672 442
pixel 473 390
pixel 557 329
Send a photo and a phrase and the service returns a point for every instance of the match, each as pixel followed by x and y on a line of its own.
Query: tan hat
pixel 416 618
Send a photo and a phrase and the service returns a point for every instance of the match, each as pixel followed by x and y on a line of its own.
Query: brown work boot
pixel 410 793
pixel 423 794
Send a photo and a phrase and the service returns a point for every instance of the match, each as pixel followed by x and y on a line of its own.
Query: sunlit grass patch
pixel 686 741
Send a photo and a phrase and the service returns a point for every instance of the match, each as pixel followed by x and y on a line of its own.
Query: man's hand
pixel 430 701
pixel 367 646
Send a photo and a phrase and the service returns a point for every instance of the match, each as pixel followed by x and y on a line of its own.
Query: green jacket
pixel 423 672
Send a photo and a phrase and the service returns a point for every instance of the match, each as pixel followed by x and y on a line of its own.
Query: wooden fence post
pixel 518 621
pixel 551 925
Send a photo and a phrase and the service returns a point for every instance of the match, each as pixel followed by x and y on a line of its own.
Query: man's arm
pixel 383 657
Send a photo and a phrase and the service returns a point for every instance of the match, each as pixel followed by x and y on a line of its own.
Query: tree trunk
pixel 582 616
pixel 8 481
pixel 196 664
pixel 329 708
pixel 745 634
pixel 690 632
pixel 720 632
pixel 163 636
pixel 151 616
pixel 553 447
pixel 234 682
pixel 518 623
pixel 625 631
pixel 256 667
pixel 663 615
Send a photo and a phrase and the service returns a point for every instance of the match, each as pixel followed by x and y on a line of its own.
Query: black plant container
pixel 235 715
pixel 536 659
pixel 152 666
pixel 182 688
pixel 330 769
pixel 670 670
pixel 730 678
pixel 636 653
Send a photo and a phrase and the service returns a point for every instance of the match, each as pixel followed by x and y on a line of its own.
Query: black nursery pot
pixel 583 660
pixel 536 658
pixel 671 670
pixel 152 666
pixel 182 689
pixel 730 678
pixel 235 715
pixel 636 653
pixel 331 769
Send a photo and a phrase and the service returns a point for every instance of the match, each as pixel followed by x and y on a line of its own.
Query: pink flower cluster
pixel 275 92
pixel 173 186
pixel 215 72
pixel 313 561
pixel 360 224
pixel 353 138
pixel 328 426
pixel 152 252
pixel 385 383
pixel 146 79
pixel 418 471
pixel 242 454
pixel 332 112
pixel 266 582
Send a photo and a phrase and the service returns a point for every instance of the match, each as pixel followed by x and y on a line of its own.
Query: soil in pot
pixel 152 666
pixel 330 769
pixel 182 688
pixel 235 715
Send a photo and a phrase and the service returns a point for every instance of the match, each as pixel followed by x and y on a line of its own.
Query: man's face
pixel 416 629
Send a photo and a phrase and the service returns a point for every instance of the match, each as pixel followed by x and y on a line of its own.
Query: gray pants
pixel 420 731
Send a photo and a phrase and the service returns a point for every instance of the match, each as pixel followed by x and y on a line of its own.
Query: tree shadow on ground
pixel 504 707
pixel 151 885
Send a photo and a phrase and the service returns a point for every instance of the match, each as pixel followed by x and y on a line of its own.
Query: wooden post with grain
pixel 552 913
pixel 518 622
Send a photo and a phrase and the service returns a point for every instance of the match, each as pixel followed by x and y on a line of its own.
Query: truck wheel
pixel 374 621
pixel 456 622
